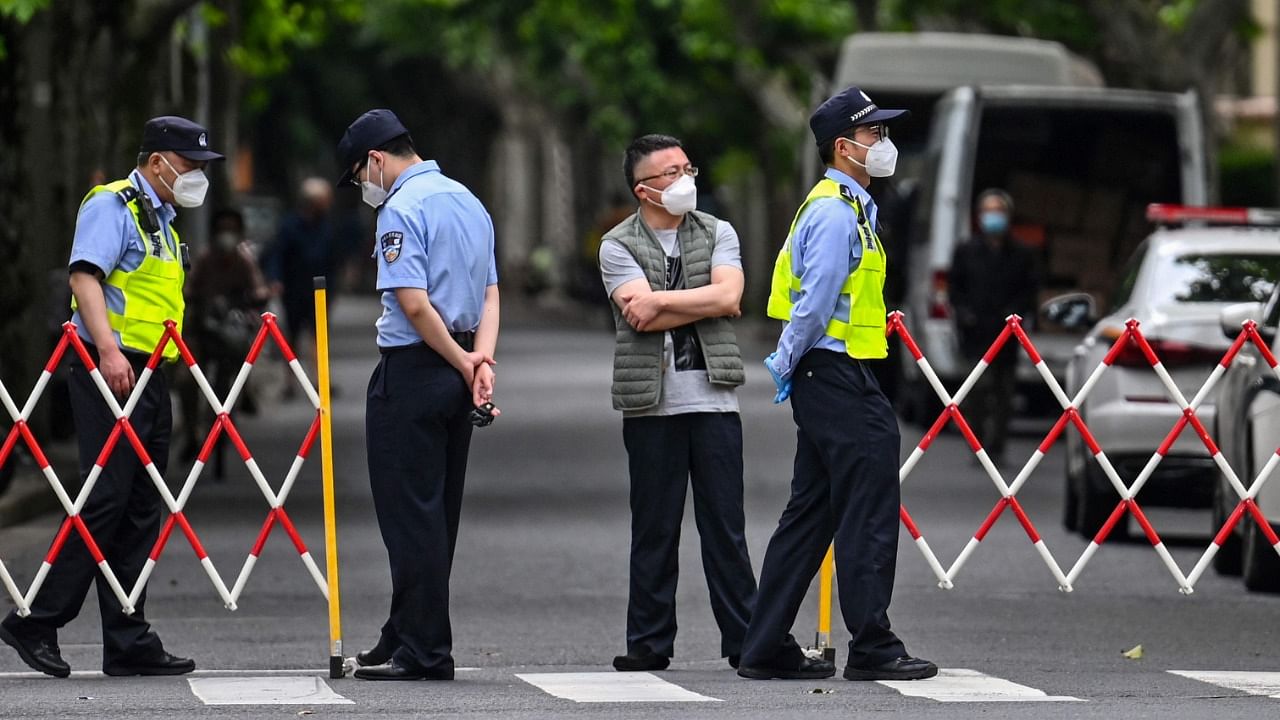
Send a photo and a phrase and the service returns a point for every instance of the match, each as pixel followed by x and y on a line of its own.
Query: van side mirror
pixel 1233 316
pixel 1074 311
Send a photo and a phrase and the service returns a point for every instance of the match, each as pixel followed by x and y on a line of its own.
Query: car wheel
pixel 1261 569
pixel 1095 504
pixel 1227 561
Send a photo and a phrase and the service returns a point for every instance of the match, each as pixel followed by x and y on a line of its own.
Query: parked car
pixel 1176 284
pixel 1247 429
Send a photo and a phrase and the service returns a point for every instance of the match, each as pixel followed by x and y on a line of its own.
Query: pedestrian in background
pixel 992 277
pixel 226 294
pixel 675 277
pixel 828 284
pixel 126 277
pixel 304 249
pixel 437 335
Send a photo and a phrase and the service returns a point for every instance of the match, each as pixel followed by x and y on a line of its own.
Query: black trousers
pixel 845 486
pixel 418 434
pixel 665 454
pixel 123 515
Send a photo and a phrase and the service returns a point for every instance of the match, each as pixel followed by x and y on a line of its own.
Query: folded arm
pixel 648 310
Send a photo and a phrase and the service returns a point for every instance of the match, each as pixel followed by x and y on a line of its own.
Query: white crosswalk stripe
pixel 611 687
pixel 963 685
pixel 1254 683
pixel 268 690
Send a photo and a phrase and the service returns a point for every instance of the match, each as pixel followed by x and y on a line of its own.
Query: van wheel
pixel 1261 569
pixel 1095 504
pixel 1228 560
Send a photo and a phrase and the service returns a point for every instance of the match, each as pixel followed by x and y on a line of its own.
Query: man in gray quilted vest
pixel 675 277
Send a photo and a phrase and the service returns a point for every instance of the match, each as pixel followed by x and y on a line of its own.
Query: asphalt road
pixel 540 579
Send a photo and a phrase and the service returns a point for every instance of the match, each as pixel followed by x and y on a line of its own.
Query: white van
pixel 1082 163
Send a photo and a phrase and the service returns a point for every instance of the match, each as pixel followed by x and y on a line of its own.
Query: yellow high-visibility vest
pixel 863 331
pixel 153 291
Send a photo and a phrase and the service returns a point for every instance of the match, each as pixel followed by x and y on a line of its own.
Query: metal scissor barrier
pixel 222 424
pixel 1071 416
pixel 1128 503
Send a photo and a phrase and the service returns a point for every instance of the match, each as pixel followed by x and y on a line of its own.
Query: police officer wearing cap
pixel 437 335
pixel 828 285
pixel 127 270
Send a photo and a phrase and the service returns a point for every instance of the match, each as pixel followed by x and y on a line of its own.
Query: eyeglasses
pixel 355 174
pixel 880 130
pixel 673 172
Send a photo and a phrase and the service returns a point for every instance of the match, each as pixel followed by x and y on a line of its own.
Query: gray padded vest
pixel 637 356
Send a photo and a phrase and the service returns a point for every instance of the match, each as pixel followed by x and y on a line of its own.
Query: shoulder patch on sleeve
pixel 391 243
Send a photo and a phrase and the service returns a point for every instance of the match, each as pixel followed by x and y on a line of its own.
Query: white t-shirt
pixel 685 385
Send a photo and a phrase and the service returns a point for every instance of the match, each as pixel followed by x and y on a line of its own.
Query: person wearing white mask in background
pixel 675 278
pixel 828 285
pixel 127 270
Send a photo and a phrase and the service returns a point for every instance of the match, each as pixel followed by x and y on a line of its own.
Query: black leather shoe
pixel 903 668
pixel 733 661
pixel 42 655
pixel 808 669
pixel 376 655
pixel 392 671
pixel 163 664
pixel 640 659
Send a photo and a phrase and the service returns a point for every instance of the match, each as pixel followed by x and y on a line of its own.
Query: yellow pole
pixel 336 669
pixel 823 640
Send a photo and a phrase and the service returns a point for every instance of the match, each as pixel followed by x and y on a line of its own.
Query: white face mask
pixel 680 196
pixel 882 157
pixel 373 194
pixel 189 188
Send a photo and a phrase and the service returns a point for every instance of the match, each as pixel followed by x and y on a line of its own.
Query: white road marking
pixel 32 674
pixel 611 687
pixel 1254 683
pixel 963 685
pixel 272 690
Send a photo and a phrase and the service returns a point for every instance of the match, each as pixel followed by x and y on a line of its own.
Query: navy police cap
pixel 846 109
pixel 179 135
pixel 369 131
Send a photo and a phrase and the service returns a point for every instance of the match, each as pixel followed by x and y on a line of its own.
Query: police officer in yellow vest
pixel 828 284
pixel 127 269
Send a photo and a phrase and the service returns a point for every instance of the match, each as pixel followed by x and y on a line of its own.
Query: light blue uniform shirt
pixel 824 251
pixel 107 238
pixel 433 234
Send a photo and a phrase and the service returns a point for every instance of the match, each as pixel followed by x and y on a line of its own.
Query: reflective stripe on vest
pixel 152 292
pixel 863 291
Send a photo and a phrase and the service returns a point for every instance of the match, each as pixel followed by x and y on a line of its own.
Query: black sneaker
pixel 640 659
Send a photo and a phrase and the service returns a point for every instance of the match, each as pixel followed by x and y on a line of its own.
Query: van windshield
pixel 1217 278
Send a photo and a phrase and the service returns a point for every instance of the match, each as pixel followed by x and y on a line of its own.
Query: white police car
pixel 1248 433
pixel 1176 284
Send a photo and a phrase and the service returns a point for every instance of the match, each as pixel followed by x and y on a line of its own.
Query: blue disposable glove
pixel 783 384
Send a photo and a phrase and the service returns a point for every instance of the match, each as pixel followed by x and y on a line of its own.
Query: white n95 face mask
pixel 189 188
pixel 882 157
pixel 371 193
pixel 680 196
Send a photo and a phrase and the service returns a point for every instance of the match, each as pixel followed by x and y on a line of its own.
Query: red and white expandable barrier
pixel 1071 417
pixel 175 505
